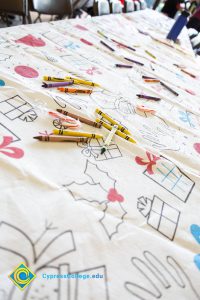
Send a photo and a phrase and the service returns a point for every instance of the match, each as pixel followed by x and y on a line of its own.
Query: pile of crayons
pixel 62 84
pixel 72 121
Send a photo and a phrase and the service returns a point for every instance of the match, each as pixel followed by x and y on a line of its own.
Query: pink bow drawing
pixel 13 152
pixel 93 70
pixel 152 159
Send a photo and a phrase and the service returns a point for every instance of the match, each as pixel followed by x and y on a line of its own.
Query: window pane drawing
pixel 16 107
pixel 161 216
pixel 171 178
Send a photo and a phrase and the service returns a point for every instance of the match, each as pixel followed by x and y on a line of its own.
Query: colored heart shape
pixel 114 196
pixel 197 147
pixel 197 261
pixel 195 230
pixel 30 40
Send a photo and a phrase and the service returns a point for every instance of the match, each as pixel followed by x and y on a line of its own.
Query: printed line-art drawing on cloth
pixel 5 131
pixel 160 215
pixel 44 258
pixel 75 102
pixel 100 189
pixel 195 231
pixel 160 279
pixel 17 108
pixel 167 175
pixel 93 149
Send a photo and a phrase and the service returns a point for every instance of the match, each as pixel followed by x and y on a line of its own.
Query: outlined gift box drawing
pixel 167 175
pixel 16 107
pixel 161 216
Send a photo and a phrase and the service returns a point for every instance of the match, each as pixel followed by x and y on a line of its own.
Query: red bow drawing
pixel 152 159
pixel 13 152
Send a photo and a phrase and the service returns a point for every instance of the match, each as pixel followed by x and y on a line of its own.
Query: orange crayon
pixel 74 90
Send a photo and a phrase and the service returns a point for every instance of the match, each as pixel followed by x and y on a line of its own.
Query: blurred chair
pixel 59 8
pixel 17 7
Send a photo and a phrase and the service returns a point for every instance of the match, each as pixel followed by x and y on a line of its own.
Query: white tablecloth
pixel 129 216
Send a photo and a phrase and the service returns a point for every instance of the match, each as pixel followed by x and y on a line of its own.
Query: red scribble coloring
pixel 197 147
pixel 13 152
pixel 86 42
pixel 114 196
pixel 152 159
pixel 81 27
pixel 32 41
pixel 92 71
pixel 190 92
pixel 26 72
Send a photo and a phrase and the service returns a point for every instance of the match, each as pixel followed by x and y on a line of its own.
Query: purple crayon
pixel 57 84
pixel 134 61
pixel 148 97
pixel 123 66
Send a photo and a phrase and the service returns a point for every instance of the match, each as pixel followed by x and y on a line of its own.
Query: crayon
pixel 81 119
pixel 49 78
pixel 118 132
pixel 145 109
pixel 113 122
pixel 148 97
pixel 123 66
pixel 78 134
pixel 151 80
pixel 81 81
pixel 168 88
pixel 102 34
pixel 61 139
pixel 188 73
pixel 150 54
pixel 123 45
pixel 56 84
pixel 109 139
pixel 74 91
pixel 111 49
pixel 134 61
pixel 147 77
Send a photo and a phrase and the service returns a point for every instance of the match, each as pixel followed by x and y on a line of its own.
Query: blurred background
pixel 17 12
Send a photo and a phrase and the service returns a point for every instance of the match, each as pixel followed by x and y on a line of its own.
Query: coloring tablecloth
pixel 127 219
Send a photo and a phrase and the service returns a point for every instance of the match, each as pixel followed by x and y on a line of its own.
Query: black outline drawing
pixel 159 277
pixel 76 103
pixel 99 187
pixel 176 183
pixel 17 108
pixel 161 216
pixel 67 289
pixel 93 149
pixel 34 254
pixel 4 57
pixel 7 132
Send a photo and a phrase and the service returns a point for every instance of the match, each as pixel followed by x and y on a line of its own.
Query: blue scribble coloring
pixel 72 46
pixel 2 83
pixel 185 117
pixel 195 231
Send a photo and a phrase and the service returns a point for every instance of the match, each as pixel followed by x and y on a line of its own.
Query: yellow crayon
pixel 49 78
pixel 118 132
pixel 113 122
pixel 78 133
pixel 81 81
pixel 150 54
